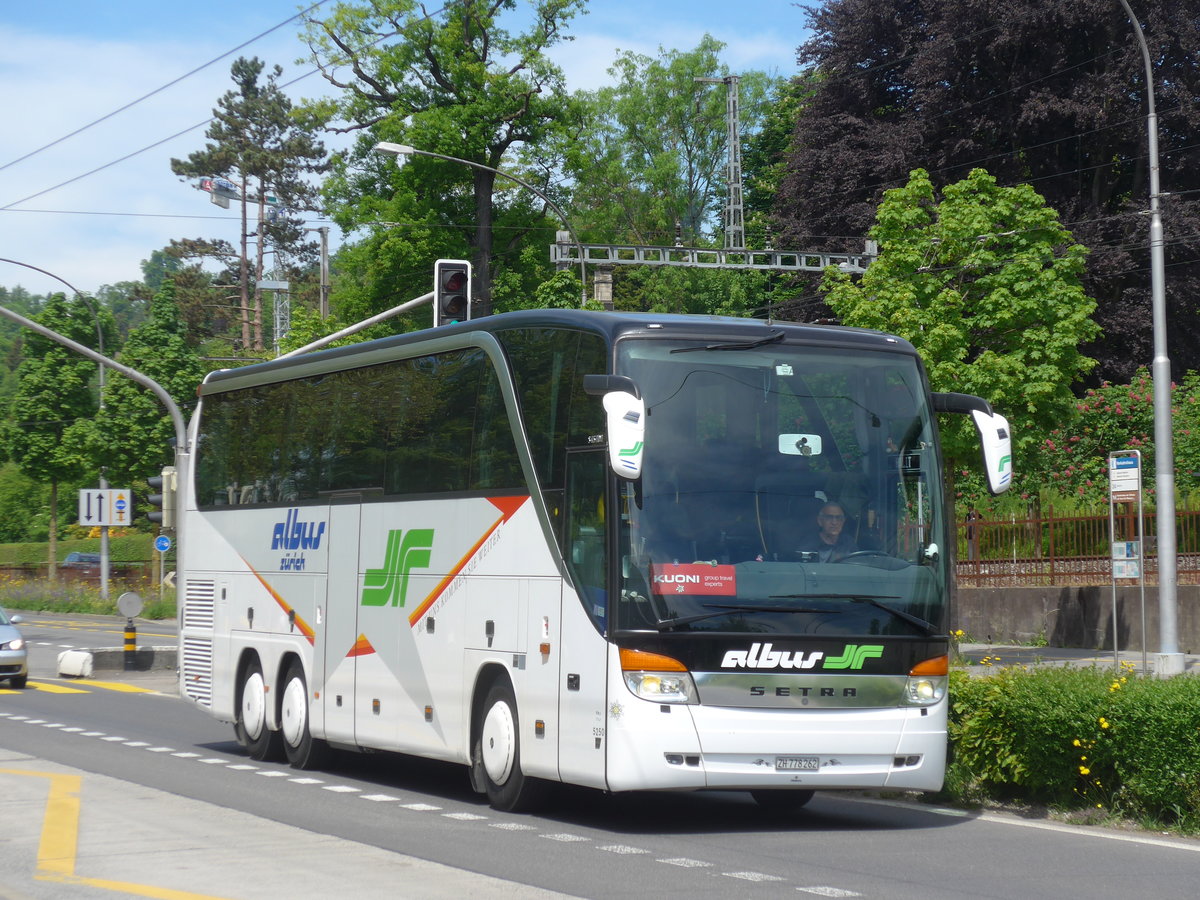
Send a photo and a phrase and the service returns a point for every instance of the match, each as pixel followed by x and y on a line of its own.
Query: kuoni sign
pixel 694 578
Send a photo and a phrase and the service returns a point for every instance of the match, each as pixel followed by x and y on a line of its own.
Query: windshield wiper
pixel 915 621
pixel 721 609
pixel 735 345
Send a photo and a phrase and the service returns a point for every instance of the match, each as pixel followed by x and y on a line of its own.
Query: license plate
pixel 803 763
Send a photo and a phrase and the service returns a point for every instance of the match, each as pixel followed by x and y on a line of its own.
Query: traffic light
pixel 165 501
pixel 451 291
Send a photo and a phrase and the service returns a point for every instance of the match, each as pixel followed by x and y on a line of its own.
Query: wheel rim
pixel 499 742
pixel 295 711
pixel 254 705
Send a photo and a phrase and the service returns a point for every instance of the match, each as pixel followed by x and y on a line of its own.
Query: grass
pixel 43 595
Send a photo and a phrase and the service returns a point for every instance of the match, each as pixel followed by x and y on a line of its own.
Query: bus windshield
pixel 786 489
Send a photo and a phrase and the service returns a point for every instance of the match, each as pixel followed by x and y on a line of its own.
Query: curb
pixel 83 663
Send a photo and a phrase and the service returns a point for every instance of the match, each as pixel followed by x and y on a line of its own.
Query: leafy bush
pixel 128 548
pixel 1079 738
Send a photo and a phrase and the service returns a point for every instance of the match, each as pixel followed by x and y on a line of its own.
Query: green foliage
pixel 46 430
pixel 24 514
pixel 128 549
pixel 1079 738
pixel 40 595
pixel 132 433
pixel 459 83
pixel 984 281
pixel 652 148
pixel 257 143
pixel 560 291
pixel 764 160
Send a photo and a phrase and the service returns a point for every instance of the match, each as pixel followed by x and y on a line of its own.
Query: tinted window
pixel 548 365
pixel 431 424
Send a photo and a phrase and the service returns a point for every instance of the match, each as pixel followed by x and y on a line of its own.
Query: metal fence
pixel 1064 550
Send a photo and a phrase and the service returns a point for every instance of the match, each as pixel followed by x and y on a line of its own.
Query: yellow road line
pixel 59 844
pixel 50 688
pixel 115 686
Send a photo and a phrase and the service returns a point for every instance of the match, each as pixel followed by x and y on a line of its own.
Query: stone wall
pixel 1073 616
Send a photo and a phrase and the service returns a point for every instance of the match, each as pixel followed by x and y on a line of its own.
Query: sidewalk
pixel 981 658
pixel 87 835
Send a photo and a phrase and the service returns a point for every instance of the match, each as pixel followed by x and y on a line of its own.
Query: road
pixel 167 802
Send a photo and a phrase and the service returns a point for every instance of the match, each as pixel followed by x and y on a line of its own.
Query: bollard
pixel 130 645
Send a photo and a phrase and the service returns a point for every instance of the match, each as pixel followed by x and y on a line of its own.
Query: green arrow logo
pixel 405 552
pixel 854 656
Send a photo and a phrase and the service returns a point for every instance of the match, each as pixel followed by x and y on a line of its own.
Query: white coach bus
pixel 591 548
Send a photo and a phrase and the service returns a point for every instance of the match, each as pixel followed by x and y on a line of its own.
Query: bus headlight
pixel 657 678
pixel 925 691
pixel 927 682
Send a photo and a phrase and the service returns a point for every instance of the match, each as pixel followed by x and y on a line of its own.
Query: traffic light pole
pixel 358 326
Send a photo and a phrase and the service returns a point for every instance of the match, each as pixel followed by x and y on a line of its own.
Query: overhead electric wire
pixel 177 134
pixel 160 89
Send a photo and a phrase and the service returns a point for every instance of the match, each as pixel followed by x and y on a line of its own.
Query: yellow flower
pixel 1103 722
pixel 1084 770
pixel 1077 742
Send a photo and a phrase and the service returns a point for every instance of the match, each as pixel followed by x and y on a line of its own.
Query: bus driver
pixel 831 543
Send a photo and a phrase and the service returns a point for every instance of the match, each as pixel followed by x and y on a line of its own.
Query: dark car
pixel 81 565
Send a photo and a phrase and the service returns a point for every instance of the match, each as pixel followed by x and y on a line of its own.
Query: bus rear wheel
pixel 261 742
pixel 302 749
pixel 497 754
pixel 782 801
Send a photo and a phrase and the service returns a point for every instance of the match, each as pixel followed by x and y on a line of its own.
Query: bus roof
pixel 612 325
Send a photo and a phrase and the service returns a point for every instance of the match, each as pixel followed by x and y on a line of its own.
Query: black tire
pixel 782 801
pixel 261 742
pixel 302 749
pixel 18 681
pixel 497 754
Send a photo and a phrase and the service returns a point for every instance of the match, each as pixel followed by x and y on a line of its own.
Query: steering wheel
pixel 864 554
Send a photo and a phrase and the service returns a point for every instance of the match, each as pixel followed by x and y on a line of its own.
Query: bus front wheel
pixel 302 749
pixel 251 727
pixel 497 753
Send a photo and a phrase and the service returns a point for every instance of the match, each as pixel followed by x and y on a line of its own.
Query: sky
pixel 89 208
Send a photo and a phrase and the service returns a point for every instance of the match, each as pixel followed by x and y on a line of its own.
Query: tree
pixel 49 418
pixel 265 152
pixel 24 507
pixel 134 430
pixel 985 283
pixel 651 154
pixel 455 82
pixel 1047 94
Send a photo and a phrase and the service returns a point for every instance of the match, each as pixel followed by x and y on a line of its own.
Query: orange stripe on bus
pixel 508 507
pixel 305 628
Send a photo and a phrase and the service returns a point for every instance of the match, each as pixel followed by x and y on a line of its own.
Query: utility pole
pixel 735 227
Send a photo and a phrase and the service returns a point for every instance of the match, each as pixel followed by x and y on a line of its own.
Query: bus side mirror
pixel 625 414
pixel 994 436
pixel 997 449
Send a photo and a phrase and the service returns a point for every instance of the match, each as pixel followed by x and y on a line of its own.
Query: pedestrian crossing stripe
pixel 115 686
pixel 50 687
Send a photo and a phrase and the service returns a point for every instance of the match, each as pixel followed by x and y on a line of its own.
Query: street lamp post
pixel 104 545
pixel 400 151
pixel 1169 659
